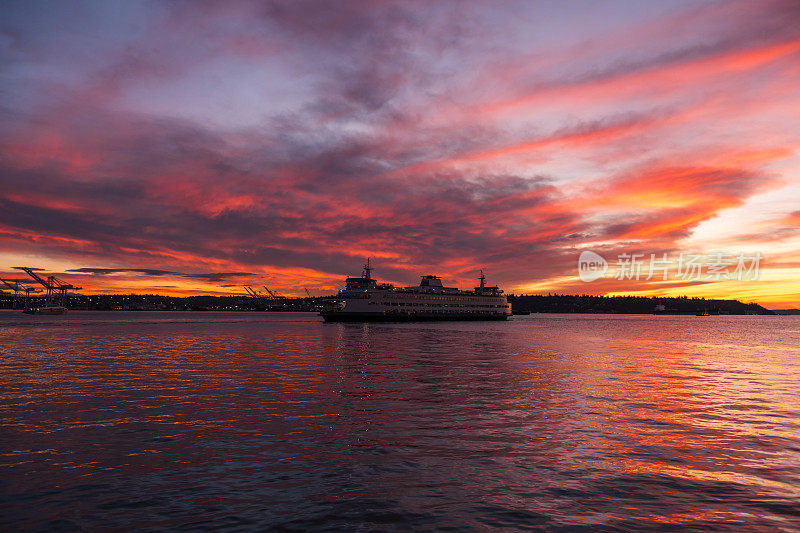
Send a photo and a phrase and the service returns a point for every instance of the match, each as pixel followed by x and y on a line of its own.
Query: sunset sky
pixel 193 147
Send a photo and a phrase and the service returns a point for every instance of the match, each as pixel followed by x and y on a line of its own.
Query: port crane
pixel 15 286
pixel 52 284
pixel 274 301
pixel 251 292
pixel 274 294
pixel 307 293
pixel 12 284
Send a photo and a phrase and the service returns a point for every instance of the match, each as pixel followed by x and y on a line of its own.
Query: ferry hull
pixel 380 317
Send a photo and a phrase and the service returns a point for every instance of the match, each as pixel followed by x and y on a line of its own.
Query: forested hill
pixel 564 303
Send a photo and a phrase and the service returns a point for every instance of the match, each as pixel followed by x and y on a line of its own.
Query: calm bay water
pixel 240 421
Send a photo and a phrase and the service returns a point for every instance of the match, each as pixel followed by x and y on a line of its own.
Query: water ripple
pixel 234 421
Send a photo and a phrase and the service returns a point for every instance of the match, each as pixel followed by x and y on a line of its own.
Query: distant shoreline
pixel 776 312
pixel 520 304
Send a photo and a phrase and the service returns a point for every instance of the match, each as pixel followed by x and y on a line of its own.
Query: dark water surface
pixel 241 421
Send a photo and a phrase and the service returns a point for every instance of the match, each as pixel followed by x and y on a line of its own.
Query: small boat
pixel 45 310
pixel 704 313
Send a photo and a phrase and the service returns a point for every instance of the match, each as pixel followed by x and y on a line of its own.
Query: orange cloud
pixel 657 79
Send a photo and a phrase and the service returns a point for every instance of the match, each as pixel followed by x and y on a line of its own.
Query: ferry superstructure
pixel 365 300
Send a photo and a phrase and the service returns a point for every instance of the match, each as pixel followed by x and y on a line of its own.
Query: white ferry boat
pixel 365 300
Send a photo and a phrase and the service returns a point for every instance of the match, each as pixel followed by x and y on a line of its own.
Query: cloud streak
pixel 107 271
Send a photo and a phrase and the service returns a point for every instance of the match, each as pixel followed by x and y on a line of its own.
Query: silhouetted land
pixel 551 303
pixel 786 311
pixel 564 303
pixel 156 302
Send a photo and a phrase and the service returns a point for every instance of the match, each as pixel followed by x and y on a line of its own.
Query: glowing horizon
pixel 194 148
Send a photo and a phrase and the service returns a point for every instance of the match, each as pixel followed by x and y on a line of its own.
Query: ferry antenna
pixel 367 270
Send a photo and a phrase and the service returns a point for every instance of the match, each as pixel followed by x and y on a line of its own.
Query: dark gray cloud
pixel 106 271
pixel 218 276
pixel 209 276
